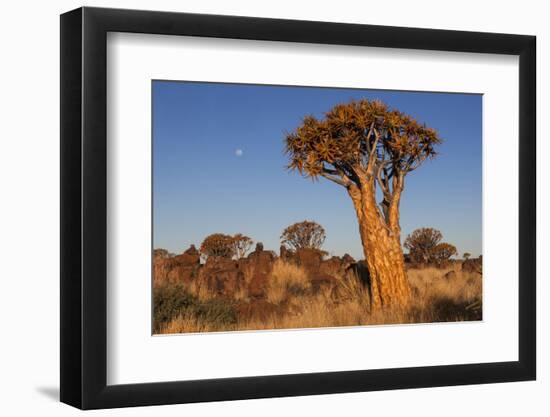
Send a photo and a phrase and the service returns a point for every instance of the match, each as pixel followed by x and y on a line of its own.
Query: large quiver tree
pixel 363 145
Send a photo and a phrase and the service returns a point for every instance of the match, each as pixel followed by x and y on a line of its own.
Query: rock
pixel 473 265
pixel 175 269
pixel 333 265
pixel 309 259
pixel 348 259
pixel 192 250
pixel 320 280
pixel 189 257
pixel 450 275
pixel 261 261
pixel 182 274
pixel 258 285
pixel 361 270
pixel 284 253
pixel 221 276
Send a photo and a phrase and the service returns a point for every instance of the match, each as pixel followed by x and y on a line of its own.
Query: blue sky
pixel 219 166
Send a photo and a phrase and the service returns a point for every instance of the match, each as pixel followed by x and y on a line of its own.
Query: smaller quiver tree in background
pixel 218 245
pixel 442 253
pixel 241 245
pixel 425 247
pixel 421 243
pixel 303 235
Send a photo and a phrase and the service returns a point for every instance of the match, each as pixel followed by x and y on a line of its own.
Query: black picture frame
pixel 84 207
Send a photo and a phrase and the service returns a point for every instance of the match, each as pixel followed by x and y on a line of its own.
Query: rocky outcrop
pixel 176 269
pixel 473 265
pixel 259 265
pixel 220 276
pixel 260 260
pixel 225 276
pixel 309 259
pixel 258 285
pixel 337 266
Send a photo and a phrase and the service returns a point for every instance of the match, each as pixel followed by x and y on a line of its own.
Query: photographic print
pixel 290 207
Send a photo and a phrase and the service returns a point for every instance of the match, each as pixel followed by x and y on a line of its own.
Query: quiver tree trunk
pixel 380 237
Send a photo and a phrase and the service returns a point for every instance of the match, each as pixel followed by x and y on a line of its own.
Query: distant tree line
pixel 306 234
pixel 425 245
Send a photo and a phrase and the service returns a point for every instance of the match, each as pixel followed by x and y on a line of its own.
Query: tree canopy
pixel 226 246
pixel 360 141
pixel 241 245
pixel 421 242
pixel 303 235
pixel 442 252
pixel 425 246
pixel 218 245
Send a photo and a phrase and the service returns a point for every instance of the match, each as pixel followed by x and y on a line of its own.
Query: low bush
pixel 172 301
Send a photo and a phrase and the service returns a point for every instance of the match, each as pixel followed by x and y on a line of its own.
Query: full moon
pixel 239 152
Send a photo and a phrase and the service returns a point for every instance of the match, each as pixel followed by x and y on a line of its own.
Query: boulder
pixel 309 259
pixel 258 285
pixel 189 257
pixel 175 269
pixel 473 265
pixel 348 259
pixel 221 276
pixel 450 275
pixel 284 253
pixel 333 265
pixel 361 270
pixel 260 260
pixel 182 274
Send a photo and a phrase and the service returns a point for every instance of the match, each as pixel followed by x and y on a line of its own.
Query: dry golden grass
pixel 350 287
pixel 203 293
pixel 286 279
pixel 241 294
pixel 187 323
pixel 200 291
pixel 430 288
pixel 435 299
pixel 317 311
pixel 248 273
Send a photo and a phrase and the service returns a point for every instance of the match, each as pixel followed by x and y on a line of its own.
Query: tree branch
pixel 349 172
pixel 383 181
pixel 373 154
pixel 367 138
pixel 343 181
pixel 416 161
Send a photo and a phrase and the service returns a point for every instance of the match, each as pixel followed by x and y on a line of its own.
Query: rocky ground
pixel 298 289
